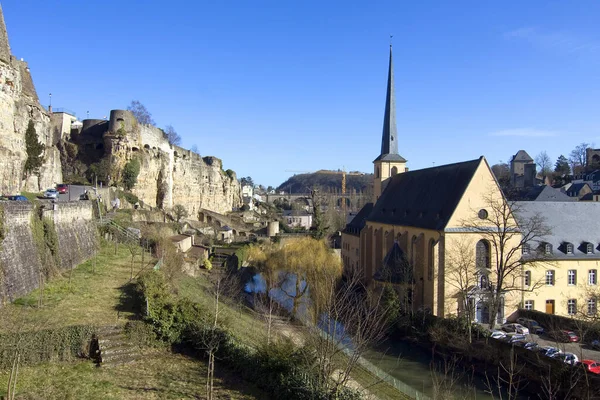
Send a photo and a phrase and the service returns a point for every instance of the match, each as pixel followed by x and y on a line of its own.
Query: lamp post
pixel 50 106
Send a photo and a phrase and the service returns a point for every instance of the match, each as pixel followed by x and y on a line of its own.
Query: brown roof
pixel 179 238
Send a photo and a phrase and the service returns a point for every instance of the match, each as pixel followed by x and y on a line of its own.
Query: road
pixel 583 351
pixel 75 191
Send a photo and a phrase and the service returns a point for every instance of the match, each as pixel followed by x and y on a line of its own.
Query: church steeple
pixel 389 137
pixel 389 162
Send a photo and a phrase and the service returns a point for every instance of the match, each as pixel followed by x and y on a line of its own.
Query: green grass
pixel 86 297
pixel 32 196
pixel 161 375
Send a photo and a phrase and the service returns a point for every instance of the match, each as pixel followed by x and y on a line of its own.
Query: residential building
pixel 247 191
pixel 567 282
pixel 578 190
pixel 297 218
pixel 418 220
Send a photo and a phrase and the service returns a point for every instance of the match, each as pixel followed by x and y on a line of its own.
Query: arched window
pixel 483 281
pixel 394 171
pixel 430 260
pixel 482 254
pixel 376 172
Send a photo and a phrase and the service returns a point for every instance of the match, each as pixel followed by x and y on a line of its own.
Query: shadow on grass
pixel 129 301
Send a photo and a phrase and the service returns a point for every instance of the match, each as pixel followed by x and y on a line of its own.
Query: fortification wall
pixel 20 257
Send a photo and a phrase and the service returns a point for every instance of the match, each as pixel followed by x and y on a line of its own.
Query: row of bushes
pixel 587 330
pixel 60 344
pixel 281 369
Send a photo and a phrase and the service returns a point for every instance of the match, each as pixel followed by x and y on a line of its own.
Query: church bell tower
pixel 389 162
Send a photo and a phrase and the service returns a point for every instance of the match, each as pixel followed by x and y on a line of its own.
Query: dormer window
pixel 569 248
pixel 589 248
pixel 525 248
pixel 547 248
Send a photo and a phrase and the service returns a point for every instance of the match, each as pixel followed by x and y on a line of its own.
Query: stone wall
pixel 20 258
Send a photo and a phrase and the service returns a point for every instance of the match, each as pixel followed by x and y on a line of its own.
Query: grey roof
pixel 359 220
pixel 539 193
pixel 395 267
pixel 295 213
pixel 389 137
pixel 522 156
pixel 569 222
pixel 424 198
pixel 575 188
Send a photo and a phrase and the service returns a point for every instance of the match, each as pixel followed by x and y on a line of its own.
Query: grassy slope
pixel 97 298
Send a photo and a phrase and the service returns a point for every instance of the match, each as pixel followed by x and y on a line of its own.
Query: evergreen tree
pixel 34 150
pixel 130 173
pixel 562 166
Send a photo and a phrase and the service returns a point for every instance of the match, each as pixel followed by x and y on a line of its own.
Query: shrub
pixel 207 264
pixel 130 173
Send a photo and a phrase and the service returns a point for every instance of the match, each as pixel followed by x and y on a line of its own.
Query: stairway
pixel 114 347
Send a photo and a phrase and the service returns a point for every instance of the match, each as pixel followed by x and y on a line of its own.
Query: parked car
pixel 531 346
pixel 591 366
pixel 514 338
pixel 595 344
pixel 62 188
pixel 517 328
pixel 548 350
pixel 17 198
pixel 567 358
pixel 564 336
pixel 533 326
pixel 51 194
pixel 497 334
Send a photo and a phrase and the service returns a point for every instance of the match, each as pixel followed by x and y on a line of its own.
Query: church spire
pixel 389 138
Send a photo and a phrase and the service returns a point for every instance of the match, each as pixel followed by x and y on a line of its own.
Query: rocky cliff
pixel 18 105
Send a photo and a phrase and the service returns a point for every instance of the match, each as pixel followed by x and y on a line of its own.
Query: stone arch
pixel 483 254
pixel 394 171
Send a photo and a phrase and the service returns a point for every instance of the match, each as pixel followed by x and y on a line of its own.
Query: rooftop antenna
pixel 391 36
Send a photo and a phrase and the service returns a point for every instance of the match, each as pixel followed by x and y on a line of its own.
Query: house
pixel 418 221
pixel 183 242
pixel 568 282
pixel 247 191
pixel 297 218
pixel 226 234
pixel 539 193
pixel 578 190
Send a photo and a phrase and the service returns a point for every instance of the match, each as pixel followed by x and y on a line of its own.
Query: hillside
pixel 328 181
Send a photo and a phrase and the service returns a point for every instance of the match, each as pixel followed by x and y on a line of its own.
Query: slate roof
pixel 569 222
pixel 424 198
pixel 539 193
pixel 522 156
pixel 395 267
pixel 575 188
pixel 359 220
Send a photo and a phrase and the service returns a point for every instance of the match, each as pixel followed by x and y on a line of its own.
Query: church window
pixel 482 214
pixel 482 254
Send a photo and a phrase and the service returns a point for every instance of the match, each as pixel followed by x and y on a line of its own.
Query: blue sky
pixel 270 86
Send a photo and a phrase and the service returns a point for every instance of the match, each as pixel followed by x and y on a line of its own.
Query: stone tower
pixel 389 162
pixel 4 46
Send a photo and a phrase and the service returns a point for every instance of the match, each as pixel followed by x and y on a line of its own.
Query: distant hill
pixel 328 181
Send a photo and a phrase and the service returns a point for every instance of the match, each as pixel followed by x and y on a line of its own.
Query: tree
pixel 247 180
pixel 544 164
pixel 180 212
pixel 172 135
pixel 34 150
pixel 502 173
pixel 130 173
pixel 141 113
pixel 578 157
pixel 506 232
pixel 561 167
pixel 319 224
pixel 194 149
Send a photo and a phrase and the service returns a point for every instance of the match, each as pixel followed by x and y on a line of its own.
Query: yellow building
pixel 567 283
pixel 425 226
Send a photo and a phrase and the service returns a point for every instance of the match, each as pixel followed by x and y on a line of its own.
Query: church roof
pixel 424 198
pixel 389 136
pixel 395 267
pixel 522 156
pixel 359 220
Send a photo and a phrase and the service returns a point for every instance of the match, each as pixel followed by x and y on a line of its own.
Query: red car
pixel 62 188
pixel 591 366
pixel 564 336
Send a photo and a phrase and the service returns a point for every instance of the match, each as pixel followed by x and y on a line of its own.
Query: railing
pixel 63 110
pixel 126 234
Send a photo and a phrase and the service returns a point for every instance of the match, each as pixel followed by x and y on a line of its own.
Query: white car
pixel 516 328
pixel 51 194
pixel 497 334
pixel 567 358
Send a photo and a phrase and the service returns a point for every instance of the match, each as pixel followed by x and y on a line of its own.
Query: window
pixel 527 278
pixel 589 248
pixel 572 277
pixel 592 309
pixel 482 254
pixel 548 248
pixel 529 304
pixel 549 278
pixel 569 248
pixel 592 277
pixel 571 306
pixel 525 248
pixel 483 281
pixel 430 260
pixel 482 214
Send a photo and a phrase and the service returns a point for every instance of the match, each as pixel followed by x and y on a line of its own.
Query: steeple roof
pixel 389 137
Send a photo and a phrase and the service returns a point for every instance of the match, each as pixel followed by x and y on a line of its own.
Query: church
pixel 418 235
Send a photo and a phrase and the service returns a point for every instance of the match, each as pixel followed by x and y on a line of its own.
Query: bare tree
pixel 180 212
pixel 507 232
pixel 194 149
pixel 172 135
pixel 544 164
pixel 508 382
pixel 578 157
pixel 134 250
pixel 141 113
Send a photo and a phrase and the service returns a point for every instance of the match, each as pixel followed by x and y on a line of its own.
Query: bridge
pixel 354 201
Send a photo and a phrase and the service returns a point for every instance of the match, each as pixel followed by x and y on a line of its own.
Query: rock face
pixel 18 105
pixel 169 175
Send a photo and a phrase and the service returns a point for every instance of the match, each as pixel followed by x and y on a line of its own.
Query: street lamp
pixel 50 107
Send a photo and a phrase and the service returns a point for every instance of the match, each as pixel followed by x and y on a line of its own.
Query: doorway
pixel 549 306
